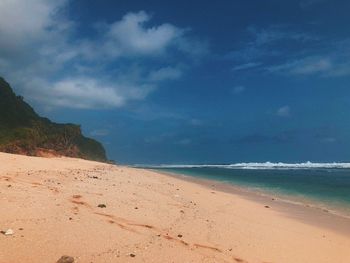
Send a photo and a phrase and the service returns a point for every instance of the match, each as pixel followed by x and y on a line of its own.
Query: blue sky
pixel 188 81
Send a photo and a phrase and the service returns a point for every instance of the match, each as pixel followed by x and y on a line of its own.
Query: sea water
pixel 326 185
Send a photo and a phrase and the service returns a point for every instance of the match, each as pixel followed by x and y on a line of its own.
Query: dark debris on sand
pixel 66 259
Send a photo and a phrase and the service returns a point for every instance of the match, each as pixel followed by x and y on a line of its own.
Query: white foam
pixel 266 165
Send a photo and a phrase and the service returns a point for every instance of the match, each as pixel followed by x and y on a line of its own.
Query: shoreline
pixel 102 213
pixel 307 213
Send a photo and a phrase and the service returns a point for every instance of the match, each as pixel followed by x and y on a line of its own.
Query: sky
pixel 170 82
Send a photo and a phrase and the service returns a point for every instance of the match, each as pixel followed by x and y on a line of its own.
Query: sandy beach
pixel 98 212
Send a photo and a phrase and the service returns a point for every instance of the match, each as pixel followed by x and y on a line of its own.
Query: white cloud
pixel 266 42
pixel 305 66
pixel 276 33
pixel 339 70
pixel 333 65
pixel 76 93
pixel 166 73
pixel 131 36
pixel 320 57
pixel 313 66
pixel 330 59
pixel 43 55
pixel 244 66
pixel 283 111
pixel 22 22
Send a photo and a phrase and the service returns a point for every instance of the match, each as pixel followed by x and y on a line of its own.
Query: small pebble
pixel 8 232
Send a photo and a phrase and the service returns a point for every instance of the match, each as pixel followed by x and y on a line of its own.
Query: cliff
pixel 23 131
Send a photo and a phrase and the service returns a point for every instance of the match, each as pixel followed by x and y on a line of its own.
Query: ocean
pixel 324 185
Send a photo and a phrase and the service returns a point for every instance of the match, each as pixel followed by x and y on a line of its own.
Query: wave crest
pixel 266 165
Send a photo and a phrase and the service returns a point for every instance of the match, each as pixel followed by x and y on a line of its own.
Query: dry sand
pixel 52 206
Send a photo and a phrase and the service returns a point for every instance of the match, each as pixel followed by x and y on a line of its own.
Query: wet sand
pixel 305 211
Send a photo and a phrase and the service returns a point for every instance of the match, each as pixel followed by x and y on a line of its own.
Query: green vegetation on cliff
pixel 23 131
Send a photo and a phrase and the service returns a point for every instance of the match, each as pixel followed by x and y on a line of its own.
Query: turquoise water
pixel 327 186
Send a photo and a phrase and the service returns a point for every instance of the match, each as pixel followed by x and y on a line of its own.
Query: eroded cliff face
pixel 23 131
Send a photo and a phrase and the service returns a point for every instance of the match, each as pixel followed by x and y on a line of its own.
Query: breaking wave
pixel 266 165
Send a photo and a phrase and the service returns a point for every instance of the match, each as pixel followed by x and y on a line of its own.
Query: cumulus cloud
pixel 131 36
pixel 82 93
pixel 46 58
pixel 24 22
